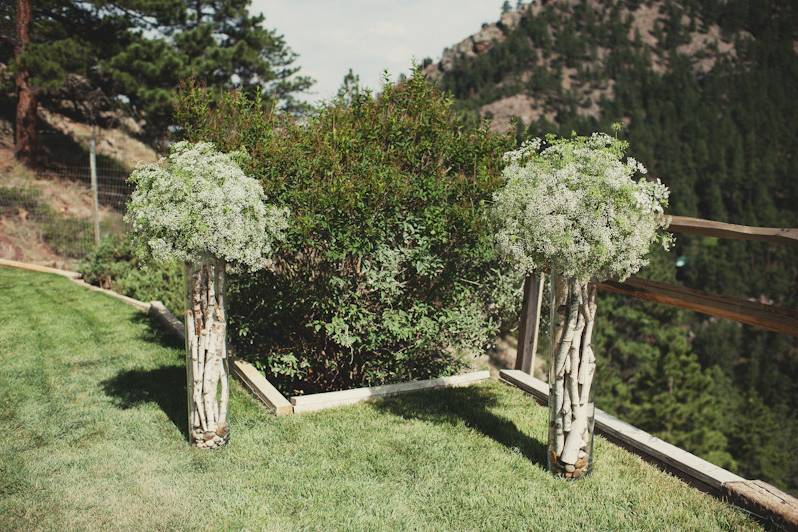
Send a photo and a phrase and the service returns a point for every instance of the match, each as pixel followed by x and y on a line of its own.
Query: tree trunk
pixel 27 104
pixel 572 367
pixel 206 355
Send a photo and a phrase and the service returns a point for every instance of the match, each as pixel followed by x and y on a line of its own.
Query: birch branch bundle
pixel 573 365
pixel 206 354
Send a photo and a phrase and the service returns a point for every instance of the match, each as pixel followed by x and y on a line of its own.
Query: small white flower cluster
pixel 576 208
pixel 197 204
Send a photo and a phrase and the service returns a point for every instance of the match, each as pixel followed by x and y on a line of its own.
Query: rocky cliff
pixel 550 53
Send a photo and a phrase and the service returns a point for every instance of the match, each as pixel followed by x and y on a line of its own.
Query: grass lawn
pixel 92 406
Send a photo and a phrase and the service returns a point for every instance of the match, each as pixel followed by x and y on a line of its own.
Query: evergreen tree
pixel 99 55
pixel 349 89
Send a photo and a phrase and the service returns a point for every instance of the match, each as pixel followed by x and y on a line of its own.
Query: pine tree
pixel 135 54
pixel 349 89
pixel 27 103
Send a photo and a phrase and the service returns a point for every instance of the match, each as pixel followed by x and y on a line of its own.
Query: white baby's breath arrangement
pixel 197 205
pixel 577 209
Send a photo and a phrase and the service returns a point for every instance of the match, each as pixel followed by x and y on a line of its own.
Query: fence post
pixel 530 323
pixel 94 192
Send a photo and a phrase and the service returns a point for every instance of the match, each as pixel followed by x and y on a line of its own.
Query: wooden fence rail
pixel 769 317
pixel 697 226
pixel 528 330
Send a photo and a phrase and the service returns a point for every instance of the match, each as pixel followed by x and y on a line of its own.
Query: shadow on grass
pixel 471 405
pixel 165 386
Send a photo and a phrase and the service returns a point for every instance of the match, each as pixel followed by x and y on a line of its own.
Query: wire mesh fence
pixel 53 214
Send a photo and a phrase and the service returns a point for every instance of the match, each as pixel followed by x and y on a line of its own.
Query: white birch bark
pixel 571 377
pixel 207 367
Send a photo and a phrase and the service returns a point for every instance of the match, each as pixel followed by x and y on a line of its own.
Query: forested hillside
pixel 707 94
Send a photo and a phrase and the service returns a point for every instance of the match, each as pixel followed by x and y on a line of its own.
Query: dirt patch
pixel 111 142
pixel 502 111
pixel 23 228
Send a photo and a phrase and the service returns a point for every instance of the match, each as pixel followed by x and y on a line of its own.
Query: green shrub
pixel 114 265
pixel 389 272
pixel 13 199
pixel 67 236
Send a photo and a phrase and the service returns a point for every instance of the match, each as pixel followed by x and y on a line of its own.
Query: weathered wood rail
pixel 697 226
pixel 528 330
pixel 768 317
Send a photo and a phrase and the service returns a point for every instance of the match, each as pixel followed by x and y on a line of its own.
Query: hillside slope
pixel 541 58
pixel 46 213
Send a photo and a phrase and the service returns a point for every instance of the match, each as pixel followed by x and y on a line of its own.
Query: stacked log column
pixel 207 366
pixel 571 372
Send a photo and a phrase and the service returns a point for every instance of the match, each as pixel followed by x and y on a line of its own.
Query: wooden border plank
pixel 245 372
pixel 768 317
pixel 262 388
pixel 697 226
pixel 40 269
pixel 321 401
pixel 75 277
pixel 161 314
pixel 639 441
pixel 141 305
pixel 765 501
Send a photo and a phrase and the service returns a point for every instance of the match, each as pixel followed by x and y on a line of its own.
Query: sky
pixel 369 36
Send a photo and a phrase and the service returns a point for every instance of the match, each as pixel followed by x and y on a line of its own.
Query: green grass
pixel 92 408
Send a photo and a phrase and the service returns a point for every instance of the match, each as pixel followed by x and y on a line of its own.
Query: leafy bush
pixel 389 272
pixel 115 266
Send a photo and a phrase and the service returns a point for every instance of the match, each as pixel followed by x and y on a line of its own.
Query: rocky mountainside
pixel 542 55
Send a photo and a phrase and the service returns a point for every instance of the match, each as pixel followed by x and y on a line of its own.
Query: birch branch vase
pixel 207 368
pixel 571 372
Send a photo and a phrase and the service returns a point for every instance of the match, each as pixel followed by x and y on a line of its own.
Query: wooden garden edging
pixel 322 401
pixel 266 393
pixel 36 268
pixel 168 321
pixel 758 497
pixel 75 278
pixel 245 372
pixel 262 388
